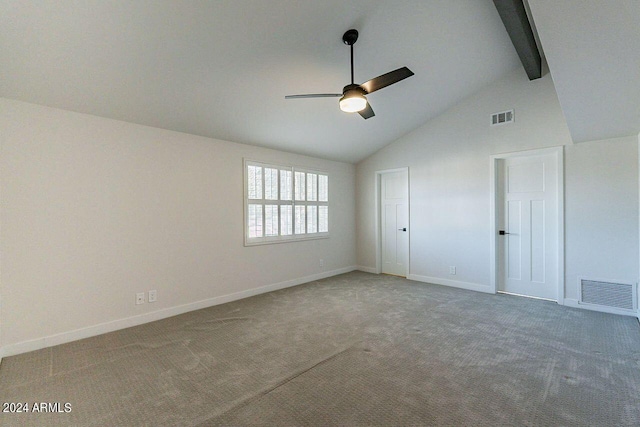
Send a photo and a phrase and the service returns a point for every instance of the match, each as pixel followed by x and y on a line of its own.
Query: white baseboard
pixel 103 328
pixel 575 304
pixel 452 283
pixel 366 269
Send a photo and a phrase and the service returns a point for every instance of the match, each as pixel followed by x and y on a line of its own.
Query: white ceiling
pixel 593 51
pixel 222 68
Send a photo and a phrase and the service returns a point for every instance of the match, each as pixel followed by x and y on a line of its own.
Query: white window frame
pixel 265 240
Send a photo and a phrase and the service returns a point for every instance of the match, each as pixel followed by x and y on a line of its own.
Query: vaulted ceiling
pixel 593 51
pixel 222 68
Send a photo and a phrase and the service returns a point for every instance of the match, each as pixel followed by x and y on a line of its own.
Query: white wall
pixel 601 212
pixel 94 210
pixel 449 168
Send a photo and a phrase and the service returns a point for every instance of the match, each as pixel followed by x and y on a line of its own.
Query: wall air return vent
pixel 609 296
pixel 502 118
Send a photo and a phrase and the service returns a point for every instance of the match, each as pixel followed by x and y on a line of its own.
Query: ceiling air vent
pixel 620 297
pixel 502 118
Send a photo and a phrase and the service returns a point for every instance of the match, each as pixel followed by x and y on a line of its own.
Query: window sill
pixel 274 240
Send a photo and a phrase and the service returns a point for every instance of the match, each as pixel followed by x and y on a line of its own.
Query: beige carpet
pixel 353 350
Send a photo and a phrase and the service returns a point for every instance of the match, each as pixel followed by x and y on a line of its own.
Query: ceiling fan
pixel 353 96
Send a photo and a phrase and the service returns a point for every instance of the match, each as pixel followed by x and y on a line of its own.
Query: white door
pixel 528 249
pixel 394 212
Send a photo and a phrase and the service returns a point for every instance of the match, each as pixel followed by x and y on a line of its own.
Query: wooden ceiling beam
pixel 514 17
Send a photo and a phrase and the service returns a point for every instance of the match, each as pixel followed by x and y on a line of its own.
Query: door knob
pixel 502 232
pixel 402 229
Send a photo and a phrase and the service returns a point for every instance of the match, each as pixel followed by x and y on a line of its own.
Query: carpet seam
pixel 279 384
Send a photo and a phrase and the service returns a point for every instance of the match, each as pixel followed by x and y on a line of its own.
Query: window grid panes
pixel 286 220
pixel 323 188
pixel 255 182
pixel 312 219
pixel 300 220
pixel 323 219
pixel 300 186
pixel 271 220
pixel 312 187
pixel 284 203
pixel 255 221
pixel 271 184
pixel 285 184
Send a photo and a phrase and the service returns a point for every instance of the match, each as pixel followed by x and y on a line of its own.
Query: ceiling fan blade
pixel 314 95
pixel 386 79
pixel 367 112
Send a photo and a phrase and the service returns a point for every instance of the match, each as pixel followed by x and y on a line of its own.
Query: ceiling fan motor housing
pixel 353 89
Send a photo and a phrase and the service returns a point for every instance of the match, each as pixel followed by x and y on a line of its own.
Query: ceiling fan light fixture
pixel 353 101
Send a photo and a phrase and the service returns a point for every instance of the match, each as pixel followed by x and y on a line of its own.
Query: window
pixel 284 203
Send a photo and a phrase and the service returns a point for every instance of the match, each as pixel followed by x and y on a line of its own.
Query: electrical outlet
pixel 321 263
pixel 153 296
pixel 140 298
pixel 452 270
